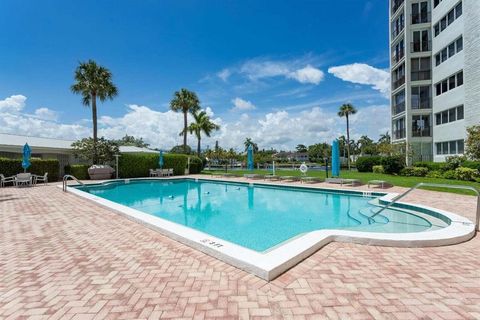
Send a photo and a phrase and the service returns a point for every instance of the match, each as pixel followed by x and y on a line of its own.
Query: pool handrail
pixel 436 185
pixel 65 179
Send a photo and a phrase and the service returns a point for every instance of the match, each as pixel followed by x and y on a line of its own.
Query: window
pixel 420 12
pixel 399 128
pixel 398 25
pixel 459 44
pixel 450 147
pixel 449 51
pixel 421 68
pixel 460 113
pixel 421 126
pixel 450 115
pixel 450 83
pixel 421 41
pixel 458 10
pixel 436 3
pixel 398 76
pixel 399 102
pixel 460 78
pixel 421 97
pixel 398 51
pixel 448 19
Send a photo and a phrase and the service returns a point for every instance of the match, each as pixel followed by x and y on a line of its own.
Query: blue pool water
pixel 258 217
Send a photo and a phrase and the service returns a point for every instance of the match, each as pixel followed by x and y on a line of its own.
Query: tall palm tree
pixel 385 138
pixel 249 142
pixel 185 101
pixel 345 111
pixel 93 81
pixel 202 124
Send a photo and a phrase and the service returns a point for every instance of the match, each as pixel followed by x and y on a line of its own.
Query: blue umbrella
pixel 250 157
pixel 335 159
pixel 160 159
pixel 27 152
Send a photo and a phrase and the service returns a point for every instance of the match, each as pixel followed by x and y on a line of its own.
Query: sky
pixel 274 71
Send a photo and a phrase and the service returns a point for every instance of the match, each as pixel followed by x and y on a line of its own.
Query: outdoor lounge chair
pixel 380 183
pixel 311 180
pixel 289 178
pixel 23 179
pixel 343 181
pixel 37 179
pixel 254 176
pixel 272 177
pixel 4 180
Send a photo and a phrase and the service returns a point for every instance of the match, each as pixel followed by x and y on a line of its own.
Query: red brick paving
pixel 63 257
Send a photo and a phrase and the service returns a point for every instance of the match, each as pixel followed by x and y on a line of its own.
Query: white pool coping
pixel 270 264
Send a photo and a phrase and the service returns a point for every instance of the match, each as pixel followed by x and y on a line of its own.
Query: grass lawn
pixel 400 181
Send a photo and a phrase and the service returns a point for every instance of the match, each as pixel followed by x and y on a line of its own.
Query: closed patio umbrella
pixel 335 159
pixel 160 159
pixel 250 157
pixel 27 152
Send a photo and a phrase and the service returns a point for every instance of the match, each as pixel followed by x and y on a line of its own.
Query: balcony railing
pixel 396 4
pixel 425 132
pixel 398 108
pixel 421 46
pixel 422 17
pixel 399 134
pixel 397 57
pixel 421 103
pixel 421 75
pixel 396 31
pixel 397 83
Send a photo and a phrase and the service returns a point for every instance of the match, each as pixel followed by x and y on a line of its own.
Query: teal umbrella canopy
pixel 250 157
pixel 335 159
pixel 27 152
pixel 160 159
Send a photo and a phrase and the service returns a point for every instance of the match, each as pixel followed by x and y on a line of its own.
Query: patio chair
pixel 37 179
pixel 4 180
pixel 272 177
pixel 153 173
pixel 311 180
pixel 23 179
pixel 170 172
pixel 289 178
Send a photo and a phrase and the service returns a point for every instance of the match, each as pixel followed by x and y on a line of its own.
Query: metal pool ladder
pixel 425 184
pixel 65 179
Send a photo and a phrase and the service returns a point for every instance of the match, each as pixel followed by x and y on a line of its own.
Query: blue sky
pixel 272 70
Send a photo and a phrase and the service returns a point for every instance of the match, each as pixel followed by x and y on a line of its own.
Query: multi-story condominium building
pixel 435 71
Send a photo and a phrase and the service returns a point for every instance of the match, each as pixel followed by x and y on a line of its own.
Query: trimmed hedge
pixel 79 171
pixel 471 164
pixel 365 164
pixel 431 166
pixel 393 164
pixel 10 167
pixel 135 165
pixel 414 172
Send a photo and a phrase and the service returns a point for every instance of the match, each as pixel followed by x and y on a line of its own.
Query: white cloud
pixel 256 69
pixel 46 114
pixel 361 73
pixel 242 105
pixel 13 103
pixel 308 74
pixel 224 74
pixel 281 129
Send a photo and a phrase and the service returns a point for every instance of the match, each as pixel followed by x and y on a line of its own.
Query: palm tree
pixel 185 101
pixel 248 142
pixel 202 124
pixel 345 111
pixel 93 81
pixel 385 138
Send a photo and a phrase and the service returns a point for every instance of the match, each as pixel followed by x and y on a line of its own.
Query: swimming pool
pixel 243 220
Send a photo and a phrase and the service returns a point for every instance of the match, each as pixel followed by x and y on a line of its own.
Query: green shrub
pixel 414 172
pixel 79 171
pixel 365 164
pixel 393 164
pixel 10 167
pixel 454 162
pixel 471 164
pixel 435 174
pixel 135 165
pixel 431 166
pixel 466 174
pixel 378 169
pixel 449 174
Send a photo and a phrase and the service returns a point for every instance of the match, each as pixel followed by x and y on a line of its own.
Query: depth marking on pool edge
pixel 211 243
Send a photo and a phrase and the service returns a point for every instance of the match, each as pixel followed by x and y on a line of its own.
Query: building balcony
pixel 425 132
pixel 422 46
pixel 423 17
pixel 399 134
pixel 398 83
pixel 396 4
pixel 421 103
pixel 396 32
pixel 421 75
pixel 396 58
pixel 398 108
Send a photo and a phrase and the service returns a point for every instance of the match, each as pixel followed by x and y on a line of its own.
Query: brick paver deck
pixel 63 257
